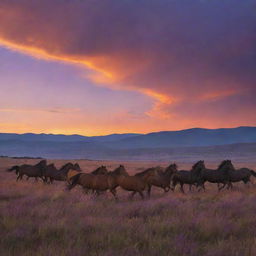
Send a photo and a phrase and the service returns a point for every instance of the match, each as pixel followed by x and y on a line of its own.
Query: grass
pixel 38 219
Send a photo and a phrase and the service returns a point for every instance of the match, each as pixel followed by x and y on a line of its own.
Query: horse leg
pixel 113 191
pixel 132 195
pixel 200 186
pixel 174 184
pixel 221 187
pixel 42 178
pixel 149 190
pixel 250 181
pixel 28 178
pixel 18 177
pixel 167 189
pixel 181 188
pixel 190 187
pixel 141 194
pixel 247 182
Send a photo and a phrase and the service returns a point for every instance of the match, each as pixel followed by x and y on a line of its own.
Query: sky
pixel 99 67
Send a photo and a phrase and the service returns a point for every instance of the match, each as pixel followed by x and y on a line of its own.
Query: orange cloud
pixel 44 55
pixel 188 66
pixel 216 95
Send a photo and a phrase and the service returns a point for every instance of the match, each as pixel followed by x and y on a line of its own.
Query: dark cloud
pixel 183 49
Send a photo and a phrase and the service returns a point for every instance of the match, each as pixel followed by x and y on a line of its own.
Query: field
pixel 38 219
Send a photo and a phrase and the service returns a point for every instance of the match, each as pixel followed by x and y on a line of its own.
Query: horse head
pixel 77 167
pixel 198 167
pixel 120 171
pixel 100 170
pixel 42 164
pixel 226 165
pixel 172 168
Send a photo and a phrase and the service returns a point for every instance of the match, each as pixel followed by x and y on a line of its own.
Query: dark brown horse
pixel 158 177
pixel 110 181
pixel 35 171
pixel 96 182
pixel 51 173
pixel 237 175
pixel 100 170
pixel 149 172
pixel 220 176
pixel 191 177
pixel 135 184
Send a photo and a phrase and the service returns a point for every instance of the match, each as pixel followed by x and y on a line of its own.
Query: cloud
pixel 54 110
pixel 190 56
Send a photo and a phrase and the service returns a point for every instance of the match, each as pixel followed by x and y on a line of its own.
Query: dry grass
pixel 38 219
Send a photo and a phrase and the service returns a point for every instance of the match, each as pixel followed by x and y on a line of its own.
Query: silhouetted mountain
pixel 62 138
pixel 240 141
pixel 190 137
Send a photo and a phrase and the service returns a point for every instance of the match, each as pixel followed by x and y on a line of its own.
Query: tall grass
pixel 38 219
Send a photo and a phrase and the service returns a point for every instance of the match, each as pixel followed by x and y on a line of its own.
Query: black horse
pixel 51 173
pixel 35 171
pixel 220 176
pixel 237 175
pixel 191 177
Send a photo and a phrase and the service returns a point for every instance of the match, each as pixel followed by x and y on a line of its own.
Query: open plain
pixel 39 219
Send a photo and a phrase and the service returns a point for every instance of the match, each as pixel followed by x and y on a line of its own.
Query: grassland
pixel 38 219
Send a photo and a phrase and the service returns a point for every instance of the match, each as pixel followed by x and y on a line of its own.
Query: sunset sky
pixel 116 66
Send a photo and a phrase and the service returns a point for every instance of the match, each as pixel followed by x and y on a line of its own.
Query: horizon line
pixel 102 135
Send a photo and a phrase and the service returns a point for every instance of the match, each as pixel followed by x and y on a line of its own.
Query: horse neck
pixel 196 171
pixel 168 172
pixel 66 167
pixel 100 171
pixel 52 167
pixel 121 177
pixel 96 170
pixel 226 169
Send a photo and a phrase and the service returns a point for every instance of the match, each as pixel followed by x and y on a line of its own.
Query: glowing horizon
pixel 64 77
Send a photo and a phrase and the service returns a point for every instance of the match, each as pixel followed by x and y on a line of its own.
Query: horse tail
pixel 16 168
pixel 253 173
pixel 146 186
pixel 73 181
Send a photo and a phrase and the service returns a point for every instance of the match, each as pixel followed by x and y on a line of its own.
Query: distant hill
pixel 61 137
pixel 183 144
pixel 190 137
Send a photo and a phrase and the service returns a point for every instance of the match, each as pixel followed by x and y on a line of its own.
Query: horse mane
pixel 157 168
pixel 172 165
pixel 65 165
pixel 42 162
pixel 51 165
pixel 76 165
pixel 97 169
pixel 195 165
pixel 222 164
pixel 117 170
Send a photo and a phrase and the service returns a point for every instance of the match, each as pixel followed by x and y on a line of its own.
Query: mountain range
pixel 159 145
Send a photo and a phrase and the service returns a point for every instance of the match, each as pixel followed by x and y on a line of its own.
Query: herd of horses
pixel 101 180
